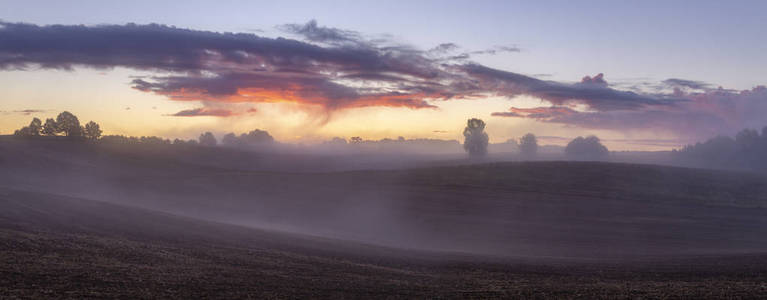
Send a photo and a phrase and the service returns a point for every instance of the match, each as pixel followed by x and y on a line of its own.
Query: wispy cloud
pixel 204 112
pixel 25 112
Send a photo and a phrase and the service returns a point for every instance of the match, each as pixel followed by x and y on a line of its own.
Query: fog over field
pixel 383 150
pixel 401 210
pixel 487 206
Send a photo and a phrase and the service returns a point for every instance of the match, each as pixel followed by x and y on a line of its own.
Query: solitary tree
pixel 68 124
pixel 475 142
pixel 49 128
pixel 528 145
pixel 92 131
pixel 207 139
pixel 589 148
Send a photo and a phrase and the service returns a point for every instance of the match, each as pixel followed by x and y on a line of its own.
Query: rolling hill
pixel 80 221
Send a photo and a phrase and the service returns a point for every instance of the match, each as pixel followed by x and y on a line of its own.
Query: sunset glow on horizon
pixel 307 81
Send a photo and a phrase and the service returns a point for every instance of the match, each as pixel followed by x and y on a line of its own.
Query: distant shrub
pixel 588 148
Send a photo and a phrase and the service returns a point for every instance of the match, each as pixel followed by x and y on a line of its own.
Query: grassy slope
pixel 52 246
pixel 682 231
pixel 562 209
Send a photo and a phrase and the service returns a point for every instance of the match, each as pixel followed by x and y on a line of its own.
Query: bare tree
pixel 476 139
pixel 528 145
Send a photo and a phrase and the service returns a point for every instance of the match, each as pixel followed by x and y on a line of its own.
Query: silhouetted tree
pixel 180 142
pixel 528 145
pixel 748 150
pixel 22 132
pixel 35 126
pixel 33 129
pixel 49 128
pixel 589 148
pixel 257 136
pixel 153 140
pixel 68 123
pixel 207 139
pixel 92 131
pixel 355 140
pixel 230 140
pixel 118 139
pixel 475 142
pixel 132 140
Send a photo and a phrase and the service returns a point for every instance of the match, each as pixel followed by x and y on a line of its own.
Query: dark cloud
pixel 443 48
pixel 705 114
pixel 446 52
pixel 159 47
pixel 495 50
pixel 507 114
pixel 204 111
pixel 594 94
pixel 598 80
pixel 339 69
pixel 25 112
pixel 249 87
pixel 311 31
pixel 238 67
pixel 675 82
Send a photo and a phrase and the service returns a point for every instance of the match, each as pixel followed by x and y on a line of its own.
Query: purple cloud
pixel 340 69
pixel 204 112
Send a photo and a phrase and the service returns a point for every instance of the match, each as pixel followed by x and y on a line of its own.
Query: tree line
pixel 476 142
pixel 66 124
pixel 206 139
pixel 747 150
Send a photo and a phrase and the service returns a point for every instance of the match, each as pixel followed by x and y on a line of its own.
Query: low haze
pixel 339 149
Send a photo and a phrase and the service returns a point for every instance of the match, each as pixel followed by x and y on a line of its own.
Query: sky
pixel 647 75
